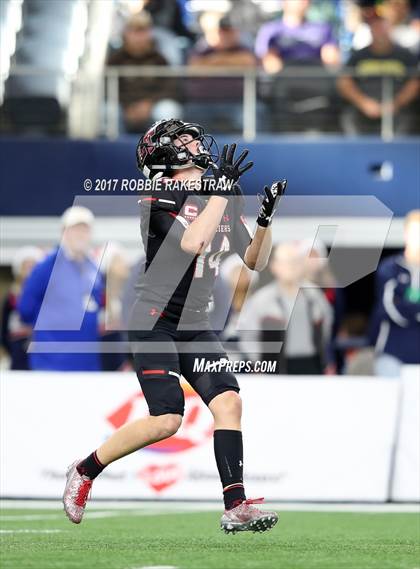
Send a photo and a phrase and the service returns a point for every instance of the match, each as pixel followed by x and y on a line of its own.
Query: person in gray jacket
pixel 290 318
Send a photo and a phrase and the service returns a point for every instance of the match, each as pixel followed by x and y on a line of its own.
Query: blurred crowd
pixel 358 61
pixel 72 304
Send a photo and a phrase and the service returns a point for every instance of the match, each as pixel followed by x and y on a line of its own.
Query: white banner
pixel 406 484
pixel 304 438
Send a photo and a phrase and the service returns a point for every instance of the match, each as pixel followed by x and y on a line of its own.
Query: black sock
pixel 228 450
pixel 91 466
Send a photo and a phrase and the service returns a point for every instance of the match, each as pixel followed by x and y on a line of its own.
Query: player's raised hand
pixel 228 167
pixel 270 201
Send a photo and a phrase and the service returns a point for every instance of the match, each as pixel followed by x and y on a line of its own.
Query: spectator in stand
pixel 143 99
pixel 116 270
pixel 128 294
pixel 62 296
pixel 397 309
pixel 398 14
pixel 415 13
pixel 352 341
pixel 295 40
pixel 287 311
pixel 15 334
pixel 364 91
pixel 299 103
pixel 168 14
pixel 218 101
pixel 237 279
pixel 318 272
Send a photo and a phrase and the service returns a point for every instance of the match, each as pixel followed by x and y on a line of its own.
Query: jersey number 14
pixel 213 259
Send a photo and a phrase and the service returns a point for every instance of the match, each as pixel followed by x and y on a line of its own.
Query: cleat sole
pixel 261 525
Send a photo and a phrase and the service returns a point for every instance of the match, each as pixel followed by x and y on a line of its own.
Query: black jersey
pixel 174 280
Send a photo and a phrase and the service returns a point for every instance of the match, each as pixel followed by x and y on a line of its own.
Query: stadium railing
pixel 254 83
pixel 250 77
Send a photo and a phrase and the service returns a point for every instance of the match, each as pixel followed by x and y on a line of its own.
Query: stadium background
pixel 333 438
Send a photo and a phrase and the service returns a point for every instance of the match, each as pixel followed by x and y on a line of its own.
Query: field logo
pixel 160 477
pixel 197 425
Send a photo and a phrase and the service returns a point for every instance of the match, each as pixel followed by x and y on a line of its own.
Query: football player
pixel 187 229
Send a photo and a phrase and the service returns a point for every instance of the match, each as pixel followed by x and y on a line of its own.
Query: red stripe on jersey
pixel 173 214
pixel 148 199
pixel 155 371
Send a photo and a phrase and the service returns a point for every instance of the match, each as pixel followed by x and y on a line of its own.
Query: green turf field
pixel 144 538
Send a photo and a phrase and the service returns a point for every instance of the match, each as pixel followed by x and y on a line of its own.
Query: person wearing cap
pixel 218 100
pixel 143 98
pixel 62 296
pixel 15 334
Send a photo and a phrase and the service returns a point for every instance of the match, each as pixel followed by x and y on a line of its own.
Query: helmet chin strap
pixel 190 164
pixel 201 161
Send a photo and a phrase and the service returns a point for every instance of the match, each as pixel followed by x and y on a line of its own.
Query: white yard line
pixel 156 567
pixel 160 507
pixel 356 508
pixel 88 515
pixel 30 531
pixel 30 517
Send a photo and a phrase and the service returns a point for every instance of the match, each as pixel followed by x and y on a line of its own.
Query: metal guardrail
pixel 112 75
pixel 249 96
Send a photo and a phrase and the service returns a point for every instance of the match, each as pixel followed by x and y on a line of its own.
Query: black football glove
pixel 229 169
pixel 270 202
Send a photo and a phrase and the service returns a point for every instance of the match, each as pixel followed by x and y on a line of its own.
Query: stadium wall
pixel 307 438
pixel 49 173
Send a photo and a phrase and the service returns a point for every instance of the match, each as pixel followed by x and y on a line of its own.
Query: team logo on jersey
pixel 190 211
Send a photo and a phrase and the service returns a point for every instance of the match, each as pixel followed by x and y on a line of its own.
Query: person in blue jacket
pixel 61 299
pixel 397 310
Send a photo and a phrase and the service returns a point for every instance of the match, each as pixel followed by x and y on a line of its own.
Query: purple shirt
pixel 300 43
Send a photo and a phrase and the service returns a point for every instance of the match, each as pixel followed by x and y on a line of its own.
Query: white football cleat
pixel 76 493
pixel 245 517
